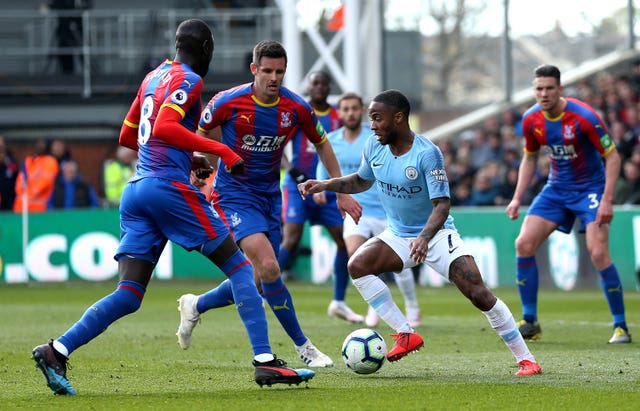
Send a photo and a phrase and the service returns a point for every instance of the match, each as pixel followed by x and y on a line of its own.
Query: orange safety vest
pixel 37 176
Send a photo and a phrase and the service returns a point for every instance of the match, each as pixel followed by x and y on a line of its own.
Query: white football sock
pixel 264 357
pixel 57 345
pixel 504 324
pixel 407 286
pixel 376 293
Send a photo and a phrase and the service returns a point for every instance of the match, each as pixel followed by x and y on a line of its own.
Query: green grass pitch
pixel 137 364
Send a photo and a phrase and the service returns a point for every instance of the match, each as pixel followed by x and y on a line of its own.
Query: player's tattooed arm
pixel 349 184
pixel 437 218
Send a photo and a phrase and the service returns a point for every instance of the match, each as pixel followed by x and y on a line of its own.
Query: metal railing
pixel 117 43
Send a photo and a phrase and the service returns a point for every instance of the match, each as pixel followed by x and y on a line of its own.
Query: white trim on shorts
pixel 367 227
pixel 444 248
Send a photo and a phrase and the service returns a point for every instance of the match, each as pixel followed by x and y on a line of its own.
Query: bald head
pixel 194 45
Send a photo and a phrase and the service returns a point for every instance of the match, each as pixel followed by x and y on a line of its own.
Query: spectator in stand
pixel 483 192
pixel 446 146
pixel 605 83
pixel 71 190
pixel 495 170
pixel 491 124
pixel 481 152
pixel 58 149
pixel 461 195
pixel 509 136
pixel 511 119
pixel 496 149
pixel 623 137
pixel 36 180
pixel 628 97
pixel 633 121
pixel 628 186
pixel 587 93
pixel 635 154
pixel 511 155
pixel 117 173
pixel 635 76
pixel 8 176
pixel 508 186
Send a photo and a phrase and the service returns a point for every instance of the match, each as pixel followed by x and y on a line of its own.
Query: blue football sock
pixel 279 299
pixel 284 258
pixel 341 275
pixel 248 301
pixel 221 296
pixel 527 280
pixel 126 299
pixel 612 288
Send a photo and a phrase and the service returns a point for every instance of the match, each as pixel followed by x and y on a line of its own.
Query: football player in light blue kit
pixel 408 171
pixel 348 142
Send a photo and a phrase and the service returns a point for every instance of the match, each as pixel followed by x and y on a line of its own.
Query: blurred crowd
pixel 49 177
pixel 482 163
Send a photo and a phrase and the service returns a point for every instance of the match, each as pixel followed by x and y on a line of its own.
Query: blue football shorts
pixel 153 210
pixel 247 213
pixel 564 206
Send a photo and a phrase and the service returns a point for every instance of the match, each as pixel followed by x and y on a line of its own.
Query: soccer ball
pixel 364 351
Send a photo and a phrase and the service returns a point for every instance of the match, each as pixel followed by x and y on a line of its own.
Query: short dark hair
pixel 191 35
pixel 395 99
pixel 547 70
pixel 268 48
pixel 350 96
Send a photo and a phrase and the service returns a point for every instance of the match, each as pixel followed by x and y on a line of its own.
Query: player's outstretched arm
pixel 343 186
pixel 349 184
pixel 167 127
pixel 312 187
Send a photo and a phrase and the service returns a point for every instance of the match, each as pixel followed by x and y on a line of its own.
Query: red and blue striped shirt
pixel 577 139
pixel 258 132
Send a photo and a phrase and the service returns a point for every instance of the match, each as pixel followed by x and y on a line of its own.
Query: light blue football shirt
pixel 407 183
pixel 349 155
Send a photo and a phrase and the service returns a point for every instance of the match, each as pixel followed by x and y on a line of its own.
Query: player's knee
pixel 356 268
pixel 268 271
pixel 481 297
pixel 525 247
pixel 600 256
